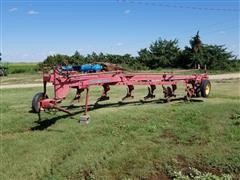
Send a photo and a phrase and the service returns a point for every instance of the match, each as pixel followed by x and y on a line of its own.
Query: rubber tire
pixel 204 84
pixel 35 101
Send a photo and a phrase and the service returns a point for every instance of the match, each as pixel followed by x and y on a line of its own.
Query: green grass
pixel 21 73
pixel 16 68
pixel 122 141
pixel 21 78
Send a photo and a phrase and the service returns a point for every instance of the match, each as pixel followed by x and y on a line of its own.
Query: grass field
pixel 122 141
pixel 22 78
pixel 16 68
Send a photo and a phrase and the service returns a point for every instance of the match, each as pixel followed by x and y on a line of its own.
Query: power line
pixel 151 3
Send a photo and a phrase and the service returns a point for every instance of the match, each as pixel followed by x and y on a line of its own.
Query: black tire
pixel 205 88
pixel 35 101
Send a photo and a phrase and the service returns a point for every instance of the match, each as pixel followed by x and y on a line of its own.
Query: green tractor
pixel 3 68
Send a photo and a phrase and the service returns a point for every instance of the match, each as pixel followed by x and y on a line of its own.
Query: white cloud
pixel 13 9
pixel 32 12
pixel 119 44
pixel 127 11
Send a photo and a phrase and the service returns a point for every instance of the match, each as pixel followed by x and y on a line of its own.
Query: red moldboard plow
pixel 195 85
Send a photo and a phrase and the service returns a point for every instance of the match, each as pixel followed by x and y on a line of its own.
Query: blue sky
pixel 32 30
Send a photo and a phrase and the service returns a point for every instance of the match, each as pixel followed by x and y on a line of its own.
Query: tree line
pixel 160 54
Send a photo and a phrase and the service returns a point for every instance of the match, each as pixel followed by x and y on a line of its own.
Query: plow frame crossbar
pixel 63 81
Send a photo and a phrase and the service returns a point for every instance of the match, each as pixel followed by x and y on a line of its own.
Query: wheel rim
pixel 207 89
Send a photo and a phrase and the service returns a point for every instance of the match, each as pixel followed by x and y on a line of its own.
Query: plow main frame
pixel 63 81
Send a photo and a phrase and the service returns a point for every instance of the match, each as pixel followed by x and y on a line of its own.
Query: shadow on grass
pixel 42 125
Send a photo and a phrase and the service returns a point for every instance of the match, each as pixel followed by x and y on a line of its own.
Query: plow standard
pixel 83 77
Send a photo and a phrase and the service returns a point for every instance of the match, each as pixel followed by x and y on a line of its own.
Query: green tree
pixel 161 53
pixel 76 59
pixel 216 57
pixel 196 46
pixel 196 43
pixel 213 56
pixel 145 58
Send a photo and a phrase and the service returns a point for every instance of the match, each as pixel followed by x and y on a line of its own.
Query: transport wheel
pixel 35 101
pixel 205 88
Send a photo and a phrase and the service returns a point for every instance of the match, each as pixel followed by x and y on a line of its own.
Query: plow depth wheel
pixel 36 101
pixel 205 88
